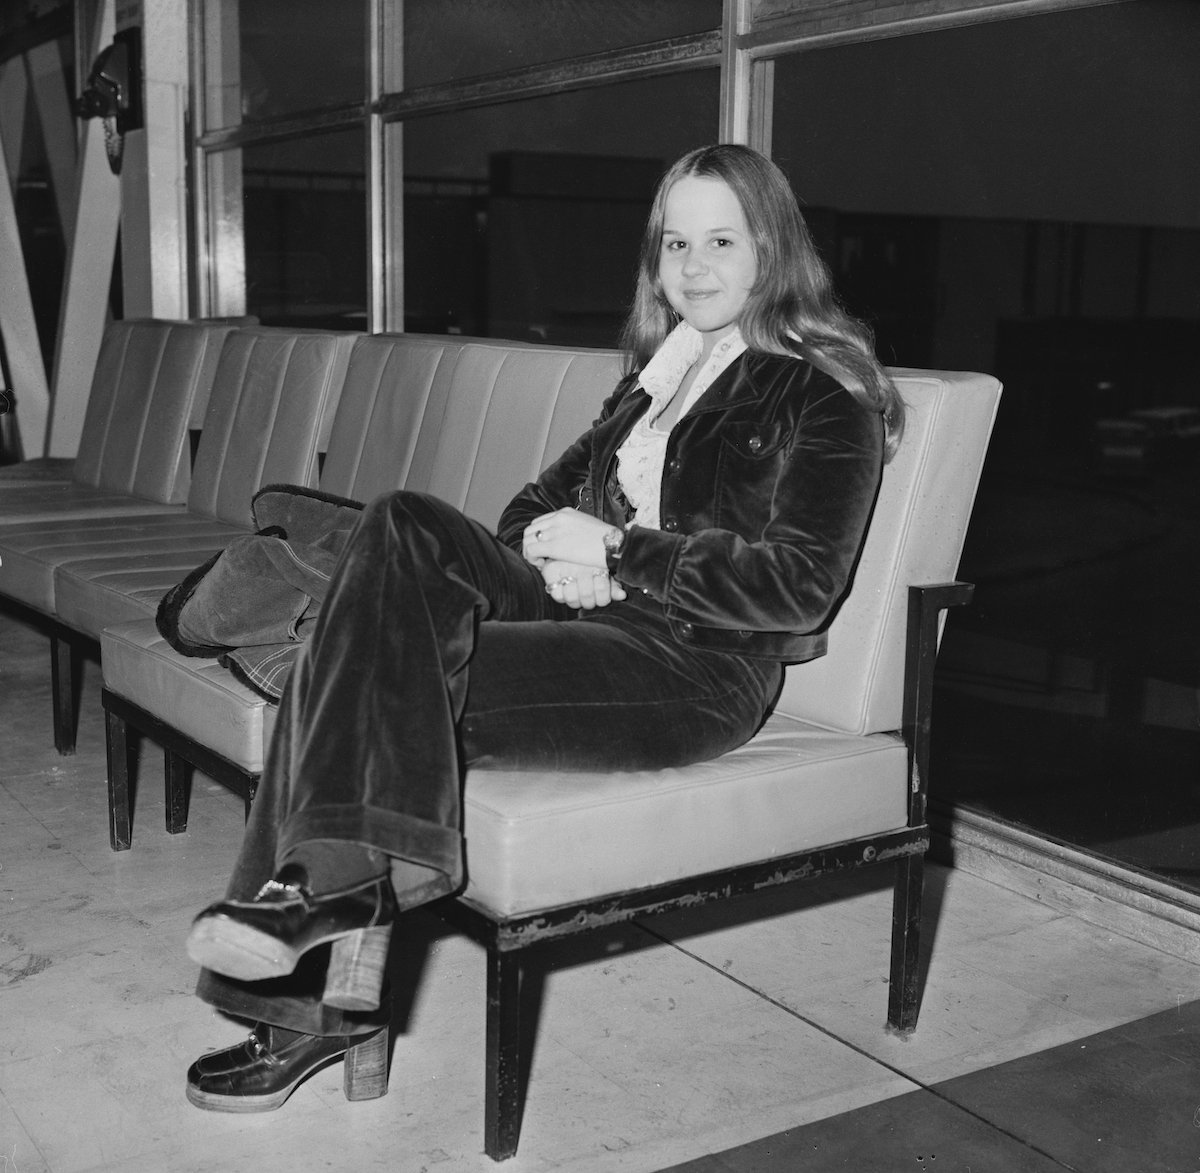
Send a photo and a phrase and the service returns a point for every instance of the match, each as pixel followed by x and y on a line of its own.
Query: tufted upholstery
pixel 469 421
pixel 151 383
pixel 267 417
pixel 476 419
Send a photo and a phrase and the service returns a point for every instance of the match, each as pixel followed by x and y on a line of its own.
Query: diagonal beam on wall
pixel 88 275
pixel 18 329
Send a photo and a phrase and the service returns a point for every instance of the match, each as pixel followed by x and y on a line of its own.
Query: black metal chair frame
pixel 506 938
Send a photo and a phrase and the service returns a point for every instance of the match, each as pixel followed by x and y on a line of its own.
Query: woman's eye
pixel 673 246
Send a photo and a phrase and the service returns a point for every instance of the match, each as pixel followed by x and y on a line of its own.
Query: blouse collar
pixel 662 375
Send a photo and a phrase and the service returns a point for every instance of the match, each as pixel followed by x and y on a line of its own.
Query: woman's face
pixel 706 262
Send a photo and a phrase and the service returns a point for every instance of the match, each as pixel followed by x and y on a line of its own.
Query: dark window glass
pixel 305 224
pixel 1023 198
pixel 494 35
pixel 523 220
pixel 270 57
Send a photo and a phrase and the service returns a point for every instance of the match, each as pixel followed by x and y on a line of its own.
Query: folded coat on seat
pixel 252 605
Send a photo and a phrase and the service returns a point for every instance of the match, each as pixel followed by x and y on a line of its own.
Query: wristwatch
pixel 614 543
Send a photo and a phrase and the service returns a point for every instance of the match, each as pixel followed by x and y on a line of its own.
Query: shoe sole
pixel 212 1102
pixel 215 1102
pixel 235 950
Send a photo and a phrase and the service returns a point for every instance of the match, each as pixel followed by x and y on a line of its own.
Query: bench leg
pixel 177 775
pixel 116 745
pixel 502 1095
pixel 904 995
pixel 62 683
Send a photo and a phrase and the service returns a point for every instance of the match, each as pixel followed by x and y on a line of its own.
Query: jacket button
pixel 743 635
pixel 670 525
pixel 674 465
pixel 754 443
pixel 686 631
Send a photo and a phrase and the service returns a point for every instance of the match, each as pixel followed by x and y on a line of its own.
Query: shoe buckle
pixel 275 888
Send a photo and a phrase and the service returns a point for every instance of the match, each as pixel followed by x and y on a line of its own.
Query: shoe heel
pixel 365 1073
pixel 356 965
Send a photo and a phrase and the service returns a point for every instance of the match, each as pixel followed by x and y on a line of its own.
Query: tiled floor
pixel 657 1044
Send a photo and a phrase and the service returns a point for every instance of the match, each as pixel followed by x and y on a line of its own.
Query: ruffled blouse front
pixel 640 459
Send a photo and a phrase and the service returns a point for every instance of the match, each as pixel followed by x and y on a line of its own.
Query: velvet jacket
pixel 768 485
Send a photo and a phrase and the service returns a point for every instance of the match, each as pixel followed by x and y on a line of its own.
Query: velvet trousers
pixel 436 650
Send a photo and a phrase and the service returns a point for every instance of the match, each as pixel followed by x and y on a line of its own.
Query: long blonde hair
pixel 791 309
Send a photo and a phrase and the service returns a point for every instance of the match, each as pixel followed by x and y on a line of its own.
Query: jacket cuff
pixel 647 557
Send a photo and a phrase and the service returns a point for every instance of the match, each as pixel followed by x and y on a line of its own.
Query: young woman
pixel 634 612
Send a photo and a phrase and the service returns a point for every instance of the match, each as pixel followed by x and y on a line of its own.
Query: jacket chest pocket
pixel 750 461
pixel 753 441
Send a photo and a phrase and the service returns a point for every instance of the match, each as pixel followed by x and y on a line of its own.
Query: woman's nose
pixel 693 264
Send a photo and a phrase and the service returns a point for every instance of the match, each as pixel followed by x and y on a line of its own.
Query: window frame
pixel 752 35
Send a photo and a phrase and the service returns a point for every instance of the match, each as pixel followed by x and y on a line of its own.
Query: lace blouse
pixel 640 459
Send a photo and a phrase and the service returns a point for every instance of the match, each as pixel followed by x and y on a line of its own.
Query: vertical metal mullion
pixel 736 68
pixel 385 169
pixel 200 278
pixel 376 236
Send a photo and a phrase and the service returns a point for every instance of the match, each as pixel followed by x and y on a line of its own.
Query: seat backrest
pixel 390 411
pixel 468 420
pixel 149 376
pixel 471 420
pixel 916 537
pixel 269 415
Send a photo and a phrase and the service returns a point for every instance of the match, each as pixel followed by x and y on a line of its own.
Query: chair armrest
pixel 925 606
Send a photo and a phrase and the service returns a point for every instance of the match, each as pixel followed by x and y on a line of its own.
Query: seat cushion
pixel 537 840
pixel 55 501
pixel 196 696
pixel 33 554
pixel 39 470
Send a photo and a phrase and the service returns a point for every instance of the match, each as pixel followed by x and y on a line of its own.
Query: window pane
pixel 494 35
pixel 305 225
pixel 1023 198
pixel 269 57
pixel 523 220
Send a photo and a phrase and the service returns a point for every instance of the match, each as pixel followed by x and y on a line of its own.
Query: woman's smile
pixel 706 265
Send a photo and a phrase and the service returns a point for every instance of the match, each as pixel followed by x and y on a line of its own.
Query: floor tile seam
pixel 4 1155
pixel 917 1084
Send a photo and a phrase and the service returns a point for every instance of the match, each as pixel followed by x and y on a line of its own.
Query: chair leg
pixel 502 1094
pixel 904 995
pixel 116 746
pixel 62 683
pixel 176 779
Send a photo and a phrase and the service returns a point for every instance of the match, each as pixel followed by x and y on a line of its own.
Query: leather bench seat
pixel 196 696
pixel 25 502
pixel 151 385
pixel 826 783
pixel 34 552
pixel 539 839
pixel 39 470
pixel 267 419
pixel 826 762
pixel 536 840
pixel 463 419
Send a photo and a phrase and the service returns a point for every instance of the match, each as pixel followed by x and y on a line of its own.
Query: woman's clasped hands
pixel 567 546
